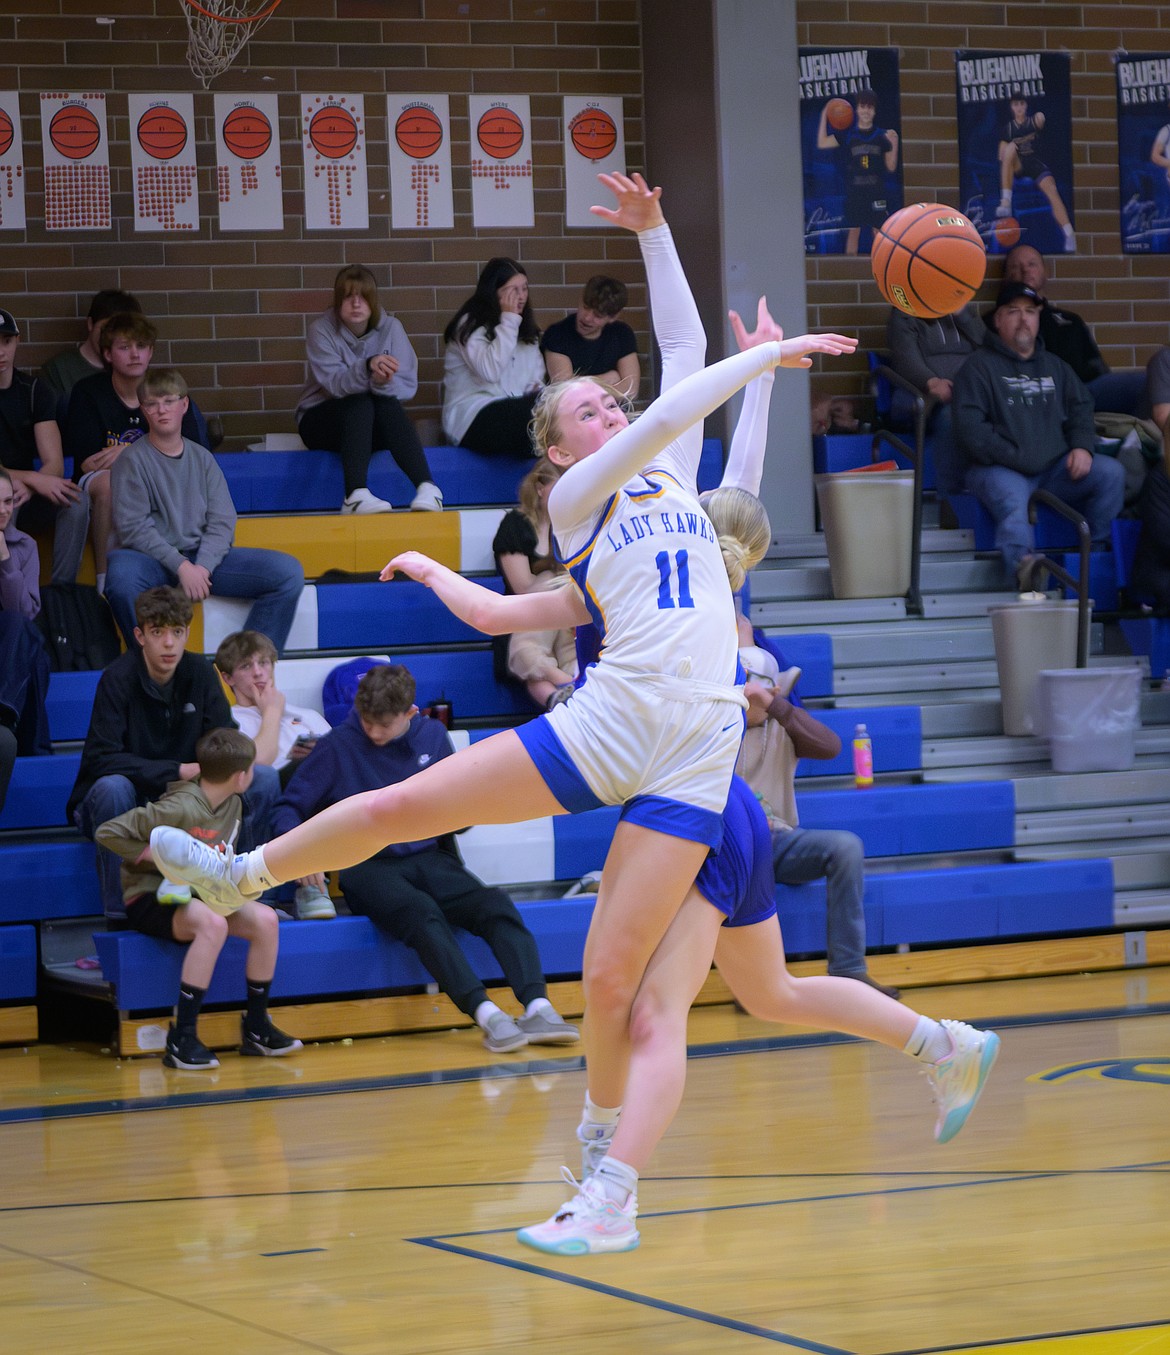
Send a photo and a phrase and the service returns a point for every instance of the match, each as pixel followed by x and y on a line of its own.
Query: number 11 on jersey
pixel 666 580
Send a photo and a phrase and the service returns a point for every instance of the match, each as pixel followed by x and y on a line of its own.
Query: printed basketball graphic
pixel 162 133
pixel 247 133
pixel 928 260
pixel 75 132
pixel 593 134
pixel 1007 232
pixel 418 132
pixel 333 133
pixel 839 114
pixel 6 133
pixel 500 133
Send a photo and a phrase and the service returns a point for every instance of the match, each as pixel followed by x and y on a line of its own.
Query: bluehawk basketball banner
pixel 1143 152
pixel 850 144
pixel 1015 148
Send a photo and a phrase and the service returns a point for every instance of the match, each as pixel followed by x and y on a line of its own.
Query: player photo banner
pixel 501 160
pixel 419 133
pixel 1015 148
pixel 595 143
pixel 77 162
pixel 850 145
pixel 1143 151
pixel 12 217
pixel 333 133
pixel 247 162
pixel 162 158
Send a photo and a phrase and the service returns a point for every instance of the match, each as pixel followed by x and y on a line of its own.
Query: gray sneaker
pixel 206 870
pixel 503 1035
pixel 313 903
pixel 541 1028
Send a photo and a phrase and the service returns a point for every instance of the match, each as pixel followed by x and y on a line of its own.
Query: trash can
pixel 1030 634
pixel 1089 716
pixel 868 520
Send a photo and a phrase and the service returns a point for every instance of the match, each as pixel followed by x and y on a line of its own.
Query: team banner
pixel 850 145
pixel 595 143
pixel 333 134
pixel 419 127
pixel 1143 152
pixel 247 162
pixel 1015 148
pixel 12 217
pixel 501 160
pixel 77 162
pixel 162 160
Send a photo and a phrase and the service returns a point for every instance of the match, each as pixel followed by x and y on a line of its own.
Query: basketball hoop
pixel 218 31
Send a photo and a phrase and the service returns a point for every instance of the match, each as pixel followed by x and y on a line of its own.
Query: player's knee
pixel 208 925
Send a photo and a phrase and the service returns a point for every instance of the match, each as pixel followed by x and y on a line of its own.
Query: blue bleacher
pixel 69 704
pixel 48 879
pixel 904 820
pixel 896 733
pixel 358 615
pixel 18 963
pixel 1053 532
pixel 38 791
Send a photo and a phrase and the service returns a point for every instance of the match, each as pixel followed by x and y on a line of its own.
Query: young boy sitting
pixel 593 341
pixel 284 734
pixel 210 808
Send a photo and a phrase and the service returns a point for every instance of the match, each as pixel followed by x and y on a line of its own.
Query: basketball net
pixel 218 31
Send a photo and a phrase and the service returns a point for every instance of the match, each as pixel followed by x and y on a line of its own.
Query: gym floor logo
pixel 1122 1070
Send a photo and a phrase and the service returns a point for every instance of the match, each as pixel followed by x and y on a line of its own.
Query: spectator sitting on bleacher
pixel 361 368
pixel 780 732
pixel 104 419
pixel 20 588
pixel 174 522
pixel 419 892
pixel 545 661
pixel 1158 387
pixel 928 353
pixel 1024 422
pixel 593 341
pixel 493 368
pixel 209 806
pixel 151 707
pixel 1068 337
pixel 24 661
pixel 284 734
pixel 28 434
pixel 65 369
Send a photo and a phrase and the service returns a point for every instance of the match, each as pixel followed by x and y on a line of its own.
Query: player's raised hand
pixel 637 207
pixel 765 331
pixel 797 352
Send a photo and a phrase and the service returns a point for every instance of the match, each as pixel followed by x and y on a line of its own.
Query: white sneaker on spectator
pixel 428 498
pixel 313 903
pixel 172 892
pixel 362 501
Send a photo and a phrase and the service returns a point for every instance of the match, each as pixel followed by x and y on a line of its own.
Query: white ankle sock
pixel 929 1043
pixel 250 873
pixel 618 1180
pixel 484 1013
pixel 540 1004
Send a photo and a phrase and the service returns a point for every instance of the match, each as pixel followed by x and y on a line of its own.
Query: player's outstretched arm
pixel 638 205
pixel 745 460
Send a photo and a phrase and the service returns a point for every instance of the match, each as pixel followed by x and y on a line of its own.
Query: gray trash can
pixel 1030 634
pixel 868 521
pixel 1089 716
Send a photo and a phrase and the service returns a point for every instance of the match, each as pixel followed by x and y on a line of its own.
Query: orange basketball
pixel 500 133
pixel 928 260
pixel 247 133
pixel 162 133
pixel 7 135
pixel 839 114
pixel 1007 232
pixel 333 132
pixel 593 134
pixel 418 132
pixel 75 132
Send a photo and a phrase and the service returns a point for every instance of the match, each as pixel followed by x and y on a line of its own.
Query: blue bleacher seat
pixel 69 704
pixel 38 791
pixel 48 879
pixel 896 733
pixel 356 615
pixel 901 820
pixel 466 679
pixel 1053 533
pixel 18 963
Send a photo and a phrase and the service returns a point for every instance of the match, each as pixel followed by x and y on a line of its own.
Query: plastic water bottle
pixel 862 758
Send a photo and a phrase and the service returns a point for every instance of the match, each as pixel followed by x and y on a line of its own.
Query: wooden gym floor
pixel 362 1198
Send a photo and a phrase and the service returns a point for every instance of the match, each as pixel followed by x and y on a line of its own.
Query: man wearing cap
pixel 28 434
pixel 1024 422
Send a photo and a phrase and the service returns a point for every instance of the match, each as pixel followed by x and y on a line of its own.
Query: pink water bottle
pixel 862 758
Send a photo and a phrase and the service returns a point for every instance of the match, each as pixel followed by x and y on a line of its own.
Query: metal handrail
pixel 1040 563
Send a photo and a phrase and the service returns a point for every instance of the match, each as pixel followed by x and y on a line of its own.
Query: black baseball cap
pixel 8 323
pixel 1012 291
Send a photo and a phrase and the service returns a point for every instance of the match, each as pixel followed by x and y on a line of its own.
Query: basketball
pixel 418 132
pixel 593 134
pixel 75 132
pixel 839 114
pixel 1007 232
pixel 500 133
pixel 928 260
pixel 247 133
pixel 6 133
pixel 162 133
pixel 333 132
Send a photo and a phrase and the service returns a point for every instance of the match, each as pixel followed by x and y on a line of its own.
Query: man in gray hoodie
pixel 1024 422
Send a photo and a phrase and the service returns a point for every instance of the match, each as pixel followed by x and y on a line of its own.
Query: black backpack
pixel 78 627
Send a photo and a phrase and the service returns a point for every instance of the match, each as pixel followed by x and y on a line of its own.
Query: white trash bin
pixel 1089 716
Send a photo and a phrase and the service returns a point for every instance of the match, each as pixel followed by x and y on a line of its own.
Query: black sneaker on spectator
pixel 186 1050
pixel 266 1043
